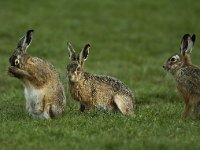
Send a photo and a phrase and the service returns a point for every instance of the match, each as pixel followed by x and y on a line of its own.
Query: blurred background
pixel 129 39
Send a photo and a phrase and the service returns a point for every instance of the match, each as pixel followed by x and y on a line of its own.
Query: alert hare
pixel 43 89
pixel 187 76
pixel 97 91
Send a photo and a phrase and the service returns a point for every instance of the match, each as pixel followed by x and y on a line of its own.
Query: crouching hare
pixel 187 76
pixel 97 91
pixel 43 89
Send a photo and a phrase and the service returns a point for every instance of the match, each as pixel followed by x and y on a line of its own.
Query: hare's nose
pixel 69 76
pixel 163 66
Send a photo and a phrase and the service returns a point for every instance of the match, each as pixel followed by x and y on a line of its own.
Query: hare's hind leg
pixel 47 114
pixel 196 110
pixel 188 108
pixel 52 111
pixel 123 103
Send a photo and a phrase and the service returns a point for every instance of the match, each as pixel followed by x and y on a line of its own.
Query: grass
pixel 130 40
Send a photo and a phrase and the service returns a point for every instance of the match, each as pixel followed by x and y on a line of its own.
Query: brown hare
pixel 187 76
pixel 97 91
pixel 43 89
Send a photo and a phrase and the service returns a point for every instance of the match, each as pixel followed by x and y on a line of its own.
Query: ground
pixel 130 40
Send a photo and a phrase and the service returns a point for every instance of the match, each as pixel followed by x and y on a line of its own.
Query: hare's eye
pixel 173 59
pixel 16 61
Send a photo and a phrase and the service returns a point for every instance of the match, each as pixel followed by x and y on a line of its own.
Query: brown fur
pixel 187 77
pixel 186 59
pixel 44 91
pixel 97 91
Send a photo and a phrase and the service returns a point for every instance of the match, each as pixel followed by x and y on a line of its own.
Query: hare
pixel 98 91
pixel 44 92
pixel 187 76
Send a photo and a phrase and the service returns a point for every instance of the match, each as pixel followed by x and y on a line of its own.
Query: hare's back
pixel 114 83
pixel 189 79
pixel 190 73
pixel 45 65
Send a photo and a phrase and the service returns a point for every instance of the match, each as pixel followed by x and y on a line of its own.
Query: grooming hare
pixel 43 89
pixel 94 90
pixel 187 76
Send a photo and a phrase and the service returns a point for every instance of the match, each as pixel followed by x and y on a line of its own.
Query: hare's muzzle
pixel 69 77
pixel 165 67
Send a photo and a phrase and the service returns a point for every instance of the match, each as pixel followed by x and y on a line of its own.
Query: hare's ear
pixel 187 43
pixel 25 41
pixel 84 53
pixel 71 52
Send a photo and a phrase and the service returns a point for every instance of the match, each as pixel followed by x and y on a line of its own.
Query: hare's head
pixel 177 60
pixel 75 68
pixel 17 58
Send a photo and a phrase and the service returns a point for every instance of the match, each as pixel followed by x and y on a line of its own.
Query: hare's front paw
pixel 85 108
pixel 11 71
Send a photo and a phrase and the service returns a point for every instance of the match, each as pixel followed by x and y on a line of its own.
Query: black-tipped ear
pixel 187 43
pixel 85 51
pixel 184 42
pixel 84 54
pixel 25 41
pixel 29 36
pixel 193 38
pixel 71 52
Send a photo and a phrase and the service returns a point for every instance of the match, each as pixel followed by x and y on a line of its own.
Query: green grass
pixel 130 40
